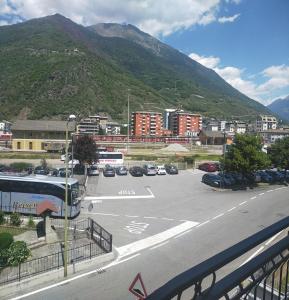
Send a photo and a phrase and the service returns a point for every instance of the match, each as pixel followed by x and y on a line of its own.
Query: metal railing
pixel 47 263
pixel 102 237
pixel 263 277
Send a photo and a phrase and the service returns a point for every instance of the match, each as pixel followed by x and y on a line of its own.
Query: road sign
pixel 137 288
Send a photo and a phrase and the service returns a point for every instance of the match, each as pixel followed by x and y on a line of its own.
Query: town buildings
pixel 265 122
pixel 145 123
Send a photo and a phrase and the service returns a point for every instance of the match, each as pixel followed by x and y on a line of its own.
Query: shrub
pixel 17 253
pixel 190 160
pixel 6 239
pixel 20 166
pixel 31 223
pixel 2 217
pixel 15 219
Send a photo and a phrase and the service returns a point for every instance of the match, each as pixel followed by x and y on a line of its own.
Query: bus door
pixel 6 201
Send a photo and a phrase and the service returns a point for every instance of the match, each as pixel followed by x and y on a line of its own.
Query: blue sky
pixel 244 41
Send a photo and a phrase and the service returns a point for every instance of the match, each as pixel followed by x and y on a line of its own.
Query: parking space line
pixel 150 217
pixel 206 222
pixel 103 214
pixel 242 203
pixel 232 208
pixel 131 216
pixel 218 216
pixel 252 198
pixel 261 194
pixel 269 191
pixel 176 237
pixel 159 245
pixel 167 219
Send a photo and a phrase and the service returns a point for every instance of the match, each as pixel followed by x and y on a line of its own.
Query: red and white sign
pixel 137 288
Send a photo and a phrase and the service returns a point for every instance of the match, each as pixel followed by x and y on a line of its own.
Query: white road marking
pixel 253 255
pixel 261 194
pixel 218 216
pixel 150 217
pixel 269 191
pixel 91 198
pixel 102 214
pixel 206 222
pixel 231 208
pixel 155 239
pixel 242 203
pixel 131 216
pixel 159 245
pixel 126 259
pixel 168 219
pixel 253 198
pixel 178 236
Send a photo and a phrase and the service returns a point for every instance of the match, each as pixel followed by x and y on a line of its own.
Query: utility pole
pixel 127 144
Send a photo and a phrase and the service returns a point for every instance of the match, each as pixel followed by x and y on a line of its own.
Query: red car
pixel 208 167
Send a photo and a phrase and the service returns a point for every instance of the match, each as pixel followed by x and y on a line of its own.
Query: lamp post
pixel 127 120
pixel 69 119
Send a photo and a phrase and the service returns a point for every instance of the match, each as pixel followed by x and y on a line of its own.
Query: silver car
pixel 93 171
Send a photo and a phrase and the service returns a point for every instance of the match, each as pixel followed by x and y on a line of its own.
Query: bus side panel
pixel 5 201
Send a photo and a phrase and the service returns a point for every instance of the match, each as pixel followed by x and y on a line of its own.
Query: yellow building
pixel 38 135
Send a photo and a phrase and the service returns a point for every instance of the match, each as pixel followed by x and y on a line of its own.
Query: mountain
pixel 51 67
pixel 281 108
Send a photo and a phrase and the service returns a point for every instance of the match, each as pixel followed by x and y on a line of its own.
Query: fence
pixel 263 277
pixel 47 263
pixel 102 237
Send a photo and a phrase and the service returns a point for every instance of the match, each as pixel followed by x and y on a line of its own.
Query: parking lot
pixel 133 208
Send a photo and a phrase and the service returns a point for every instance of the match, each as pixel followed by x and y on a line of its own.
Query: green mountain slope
pixel 51 67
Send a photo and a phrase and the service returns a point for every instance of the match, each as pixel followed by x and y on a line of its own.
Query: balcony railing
pixel 263 277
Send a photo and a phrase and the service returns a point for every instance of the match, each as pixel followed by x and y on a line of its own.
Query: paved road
pixel 165 224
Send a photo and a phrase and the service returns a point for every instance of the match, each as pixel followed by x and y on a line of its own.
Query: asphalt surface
pixel 163 225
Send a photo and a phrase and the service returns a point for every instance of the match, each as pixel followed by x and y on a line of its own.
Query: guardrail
pixel 263 277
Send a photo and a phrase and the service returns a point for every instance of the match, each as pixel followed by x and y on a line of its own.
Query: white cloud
pixel 276 78
pixel 3 22
pixel 160 17
pixel 228 19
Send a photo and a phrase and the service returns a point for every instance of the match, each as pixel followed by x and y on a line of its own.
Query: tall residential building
pixel 266 122
pixel 145 123
pixel 185 123
pixel 91 125
pixel 166 117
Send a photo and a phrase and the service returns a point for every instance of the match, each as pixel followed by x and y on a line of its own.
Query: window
pixel 30 146
pixel 18 145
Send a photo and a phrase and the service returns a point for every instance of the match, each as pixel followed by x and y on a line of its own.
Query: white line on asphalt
pixel 184 220
pixel 131 216
pixel 231 208
pixel 206 222
pixel 253 255
pixel 269 191
pixel 89 198
pixel 102 214
pixel 150 217
pixel 168 219
pixel 273 238
pixel 159 245
pixel 218 216
pixel 261 194
pixel 242 203
pixel 126 259
pixel 178 236
pixel 154 239
pixel 253 198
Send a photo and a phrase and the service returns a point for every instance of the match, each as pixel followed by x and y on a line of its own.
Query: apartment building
pixel 145 123
pixel 91 125
pixel 185 123
pixel 266 122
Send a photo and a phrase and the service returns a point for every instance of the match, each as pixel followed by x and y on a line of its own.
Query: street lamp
pixel 127 120
pixel 69 119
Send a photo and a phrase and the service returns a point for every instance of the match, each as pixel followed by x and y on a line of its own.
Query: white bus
pixel 23 193
pixel 113 159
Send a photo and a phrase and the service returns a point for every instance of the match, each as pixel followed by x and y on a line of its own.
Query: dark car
pixel 285 175
pixel 265 177
pixel 227 180
pixel 39 170
pixel 54 172
pixel 62 172
pixel 212 180
pixel 108 171
pixel 171 169
pixel 79 169
pixel 208 167
pixel 136 171
pixel 122 170
pixel 276 176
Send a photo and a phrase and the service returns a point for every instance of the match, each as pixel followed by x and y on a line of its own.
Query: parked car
pixel 122 170
pixel 136 171
pixel 161 170
pixel 212 180
pixel 227 180
pixel 54 172
pixel 150 170
pixel 39 170
pixel 93 171
pixel 73 163
pixel 108 171
pixel 208 167
pixel 276 176
pixel 63 156
pixel 265 177
pixel 62 172
pixel 79 169
pixel 171 169
pixel 285 175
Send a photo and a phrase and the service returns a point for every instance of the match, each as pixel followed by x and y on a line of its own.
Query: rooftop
pixel 41 125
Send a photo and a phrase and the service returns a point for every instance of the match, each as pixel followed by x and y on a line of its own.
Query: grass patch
pixel 12 230
pixel 25 155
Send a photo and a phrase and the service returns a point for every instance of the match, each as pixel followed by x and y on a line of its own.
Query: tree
pixel 279 153
pixel 17 253
pixel 85 149
pixel 245 155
